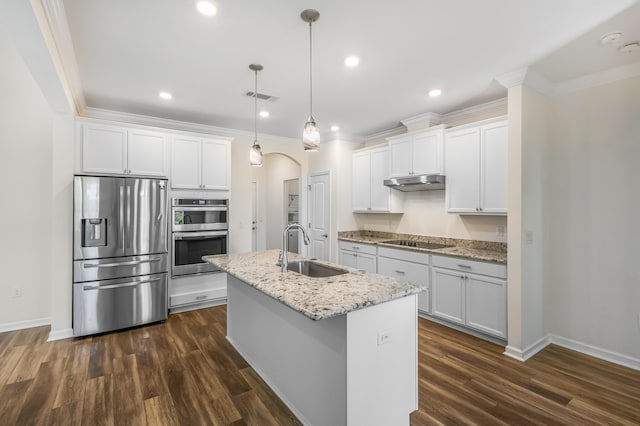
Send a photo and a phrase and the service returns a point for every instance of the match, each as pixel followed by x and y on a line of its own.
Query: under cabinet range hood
pixel 416 183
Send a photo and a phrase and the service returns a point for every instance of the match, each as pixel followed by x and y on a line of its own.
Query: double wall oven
pixel 200 227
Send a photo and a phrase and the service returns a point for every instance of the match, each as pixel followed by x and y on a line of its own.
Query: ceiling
pixel 126 52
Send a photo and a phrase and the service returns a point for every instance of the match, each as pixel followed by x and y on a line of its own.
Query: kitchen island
pixel 339 350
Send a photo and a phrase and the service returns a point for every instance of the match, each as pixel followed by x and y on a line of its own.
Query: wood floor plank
pixel 185 372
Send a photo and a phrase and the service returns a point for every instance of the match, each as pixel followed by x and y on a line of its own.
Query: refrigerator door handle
pixel 128 219
pixel 121 222
pixel 107 287
pixel 111 265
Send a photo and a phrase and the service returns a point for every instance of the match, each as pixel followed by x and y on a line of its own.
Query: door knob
pixel 325 235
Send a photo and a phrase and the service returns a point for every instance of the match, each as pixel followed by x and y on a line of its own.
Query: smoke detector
pixel 630 47
pixel 610 38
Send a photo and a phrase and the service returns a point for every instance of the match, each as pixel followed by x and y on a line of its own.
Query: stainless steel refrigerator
pixel 120 253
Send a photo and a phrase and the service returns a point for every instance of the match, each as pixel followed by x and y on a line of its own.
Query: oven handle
pixel 198 235
pixel 203 208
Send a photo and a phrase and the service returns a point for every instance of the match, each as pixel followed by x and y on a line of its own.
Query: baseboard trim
pixel 20 325
pixel 529 351
pixel 65 333
pixel 594 351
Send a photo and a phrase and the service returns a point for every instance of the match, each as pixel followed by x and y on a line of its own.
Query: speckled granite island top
pixel 316 298
pixel 486 251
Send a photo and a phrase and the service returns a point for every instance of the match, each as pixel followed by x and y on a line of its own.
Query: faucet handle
pixel 280 256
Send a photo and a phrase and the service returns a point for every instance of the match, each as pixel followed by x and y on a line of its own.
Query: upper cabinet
pixel 417 153
pixel 118 150
pixel 370 167
pixel 199 163
pixel 476 168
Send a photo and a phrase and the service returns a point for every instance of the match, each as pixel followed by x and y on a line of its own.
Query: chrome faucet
pixel 283 259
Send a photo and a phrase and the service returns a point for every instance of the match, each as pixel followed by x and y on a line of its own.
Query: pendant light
pixel 311 133
pixel 255 154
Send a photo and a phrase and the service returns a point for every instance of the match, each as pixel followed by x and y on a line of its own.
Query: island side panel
pixel 302 360
pixel 382 363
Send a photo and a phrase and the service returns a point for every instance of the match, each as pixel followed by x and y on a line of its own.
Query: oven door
pixel 189 247
pixel 200 219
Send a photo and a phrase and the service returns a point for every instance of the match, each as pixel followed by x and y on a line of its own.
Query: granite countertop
pixel 486 251
pixel 316 298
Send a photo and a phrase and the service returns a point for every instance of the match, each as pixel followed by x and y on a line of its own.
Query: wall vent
pixel 262 96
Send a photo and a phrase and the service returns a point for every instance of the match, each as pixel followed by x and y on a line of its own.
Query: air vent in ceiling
pixel 262 96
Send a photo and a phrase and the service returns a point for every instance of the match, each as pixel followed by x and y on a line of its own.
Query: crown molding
pixel 476 109
pixel 526 77
pixel 61 49
pixel 597 79
pixel 512 78
pixel 386 133
pixel 179 126
pixel 428 118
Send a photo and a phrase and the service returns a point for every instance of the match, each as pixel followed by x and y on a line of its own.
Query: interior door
pixel 319 215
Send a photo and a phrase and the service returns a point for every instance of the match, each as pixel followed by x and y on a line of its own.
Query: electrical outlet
pixel 528 237
pixel 500 231
pixel 16 292
pixel 384 337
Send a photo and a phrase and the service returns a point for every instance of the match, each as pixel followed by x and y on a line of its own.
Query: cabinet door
pixel 380 195
pixel 348 258
pixel 186 160
pixel 462 153
pixel 427 153
pixel 146 153
pixel 493 167
pixel 215 164
pixel 366 262
pixel 486 308
pixel 400 163
pixel 447 292
pixel 104 149
pixel 361 181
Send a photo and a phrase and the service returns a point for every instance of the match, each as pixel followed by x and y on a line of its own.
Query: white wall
pixel 592 291
pixel 26 127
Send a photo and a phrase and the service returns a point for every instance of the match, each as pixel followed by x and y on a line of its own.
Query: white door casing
pixel 319 215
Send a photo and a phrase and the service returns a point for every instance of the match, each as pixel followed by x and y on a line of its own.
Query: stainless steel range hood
pixel 416 183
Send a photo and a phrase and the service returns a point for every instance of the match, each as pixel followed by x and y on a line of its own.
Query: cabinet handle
pixel 400 272
pixel 464 266
pixel 355 248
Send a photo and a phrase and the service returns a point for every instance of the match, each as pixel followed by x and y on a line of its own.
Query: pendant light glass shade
pixel 311 132
pixel 255 153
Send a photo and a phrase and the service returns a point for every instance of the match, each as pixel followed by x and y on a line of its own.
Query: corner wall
pixel 26 126
pixel 593 281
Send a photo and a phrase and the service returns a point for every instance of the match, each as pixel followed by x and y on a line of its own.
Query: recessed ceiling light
pixel 351 61
pixel 264 114
pixel 630 47
pixel 435 93
pixel 206 7
pixel 165 95
pixel 610 38
pixel 335 128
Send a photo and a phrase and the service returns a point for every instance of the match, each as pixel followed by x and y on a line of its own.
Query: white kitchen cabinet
pixel 417 153
pixel 358 256
pixel 370 167
pixel 408 266
pixel 470 293
pixel 198 163
pixel 476 168
pixel 119 150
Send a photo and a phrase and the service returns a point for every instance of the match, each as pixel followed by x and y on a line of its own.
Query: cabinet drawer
pixel 358 247
pixel 410 255
pixel 197 297
pixel 415 273
pixel 483 268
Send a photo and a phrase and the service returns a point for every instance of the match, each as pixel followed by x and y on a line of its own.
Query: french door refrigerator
pixel 120 253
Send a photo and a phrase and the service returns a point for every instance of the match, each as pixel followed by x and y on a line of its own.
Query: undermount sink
pixel 313 269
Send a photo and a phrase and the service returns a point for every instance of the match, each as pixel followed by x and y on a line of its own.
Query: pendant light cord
pixel 255 112
pixel 310 72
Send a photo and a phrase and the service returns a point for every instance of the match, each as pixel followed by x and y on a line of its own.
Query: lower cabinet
pixel 407 266
pixel 470 293
pixel 358 256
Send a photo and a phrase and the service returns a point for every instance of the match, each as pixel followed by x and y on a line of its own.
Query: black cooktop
pixel 418 244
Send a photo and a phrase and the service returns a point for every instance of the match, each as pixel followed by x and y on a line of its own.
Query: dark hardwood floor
pixel 184 372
